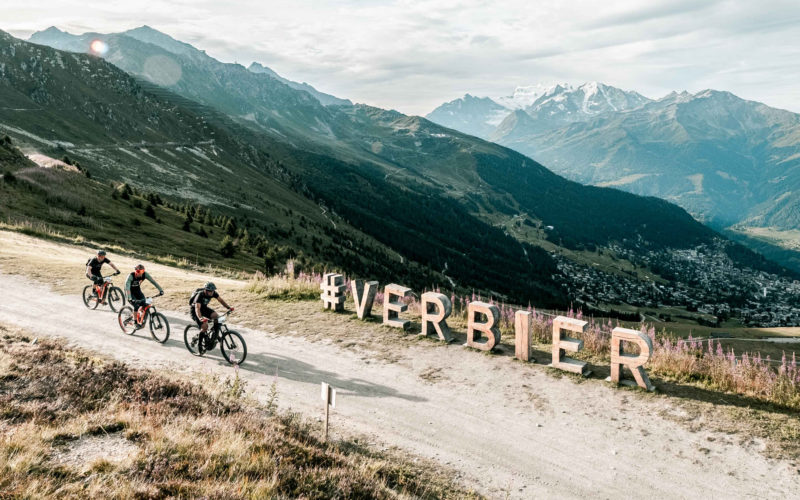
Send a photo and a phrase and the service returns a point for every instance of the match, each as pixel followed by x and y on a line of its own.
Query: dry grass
pixel 304 287
pixel 168 438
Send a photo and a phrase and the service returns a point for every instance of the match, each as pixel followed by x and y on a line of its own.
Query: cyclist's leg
pixel 205 312
pixel 98 281
pixel 137 302
pixel 213 315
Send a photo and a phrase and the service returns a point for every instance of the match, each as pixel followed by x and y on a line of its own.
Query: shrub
pixel 9 177
pixel 226 247
pixel 150 211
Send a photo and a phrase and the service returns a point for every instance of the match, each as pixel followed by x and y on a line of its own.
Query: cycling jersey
pixel 96 265
pixel 201 298
pixel 134 285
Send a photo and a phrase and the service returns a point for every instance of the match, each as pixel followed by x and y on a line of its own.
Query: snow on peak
pixel 524 96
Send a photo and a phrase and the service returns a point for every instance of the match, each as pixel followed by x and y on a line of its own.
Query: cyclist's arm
pixel 224 304
pixel 198 310
pixel 151 280
pixel 128 286
pixel 112 265
pixel 88 271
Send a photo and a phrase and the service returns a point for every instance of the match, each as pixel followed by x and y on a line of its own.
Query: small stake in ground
pixel 329 397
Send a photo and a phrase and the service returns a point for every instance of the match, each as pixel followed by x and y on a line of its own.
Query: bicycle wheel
pixel 127 320
pixel 89 300
pixel 159 327
pixel 116 299
pixel 233 348
pixel 191 337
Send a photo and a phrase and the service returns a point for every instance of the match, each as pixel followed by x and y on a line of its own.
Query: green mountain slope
pixel 424 204
pixel 130 132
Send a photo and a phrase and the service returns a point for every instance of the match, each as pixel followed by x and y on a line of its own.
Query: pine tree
pixel 244 241
pixel 150 211
pixel 230 228
pixel 226 247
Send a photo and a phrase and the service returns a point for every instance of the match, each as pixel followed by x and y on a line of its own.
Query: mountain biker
pixel 133 288
pixel 94 265
pixel 200 311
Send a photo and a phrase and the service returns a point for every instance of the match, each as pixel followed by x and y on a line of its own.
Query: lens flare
pixel 98 47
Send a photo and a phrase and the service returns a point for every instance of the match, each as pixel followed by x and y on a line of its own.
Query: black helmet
pixel 101 252
pixel 210 286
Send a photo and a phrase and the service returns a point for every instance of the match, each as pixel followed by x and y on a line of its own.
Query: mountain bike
pixel 130 320
pixel 231 343
pixel 94 295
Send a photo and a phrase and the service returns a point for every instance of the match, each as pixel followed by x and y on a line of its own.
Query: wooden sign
pixel 435 309
pixel 634 363
pixel 393 305
pixel 332 295
pixel 364 296
pixel 476 325
pixel 328 395
pixel 563 343
pixel 522 335
pixel 329 398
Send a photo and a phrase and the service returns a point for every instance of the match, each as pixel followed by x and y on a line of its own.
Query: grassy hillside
pixel 122 433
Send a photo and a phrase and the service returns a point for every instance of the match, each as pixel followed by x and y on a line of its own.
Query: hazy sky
pixel 412 55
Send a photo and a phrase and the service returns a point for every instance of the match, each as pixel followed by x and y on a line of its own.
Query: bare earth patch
pixel 87 451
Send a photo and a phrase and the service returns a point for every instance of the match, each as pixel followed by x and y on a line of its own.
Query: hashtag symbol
pixel 333 288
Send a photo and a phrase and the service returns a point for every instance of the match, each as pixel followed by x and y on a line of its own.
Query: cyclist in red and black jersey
pixel 94 265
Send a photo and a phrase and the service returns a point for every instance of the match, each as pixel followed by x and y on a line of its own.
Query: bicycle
pixel 231 343
pixel 129 323
pixel 95 294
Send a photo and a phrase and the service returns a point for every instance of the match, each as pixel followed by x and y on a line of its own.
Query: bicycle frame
pixel 145 311
pixel 101 289
pixel 220 327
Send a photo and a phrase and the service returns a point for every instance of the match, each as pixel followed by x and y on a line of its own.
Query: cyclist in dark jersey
pixel 94 265
pixel 133 288
pixel 200 311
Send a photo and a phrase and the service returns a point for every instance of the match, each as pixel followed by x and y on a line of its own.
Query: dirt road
pixel 509 429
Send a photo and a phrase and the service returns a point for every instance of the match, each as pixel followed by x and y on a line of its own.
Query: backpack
pixel 194 295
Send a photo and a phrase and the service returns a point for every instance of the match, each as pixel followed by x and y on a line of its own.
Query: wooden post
pixel 329 398
pixel 522 336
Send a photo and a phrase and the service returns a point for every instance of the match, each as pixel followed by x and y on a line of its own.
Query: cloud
pixel 412 55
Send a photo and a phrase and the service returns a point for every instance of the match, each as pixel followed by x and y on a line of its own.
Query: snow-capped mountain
pixel 568 103
pixel 523 96
pixel 554 104
pixel 726 160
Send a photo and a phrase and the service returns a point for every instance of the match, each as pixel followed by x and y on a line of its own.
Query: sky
pixel 412 55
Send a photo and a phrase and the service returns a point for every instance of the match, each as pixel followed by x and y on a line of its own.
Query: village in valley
pixel 703 280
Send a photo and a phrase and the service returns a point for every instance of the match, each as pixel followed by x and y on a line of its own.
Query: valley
pixel 730 162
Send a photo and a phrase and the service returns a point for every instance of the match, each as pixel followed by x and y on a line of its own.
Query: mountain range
pixel 732 163
pixel 424 203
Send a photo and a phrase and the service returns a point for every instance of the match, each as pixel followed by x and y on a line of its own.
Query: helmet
pixel 139 269
pixel 101 252
pixel 210 286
